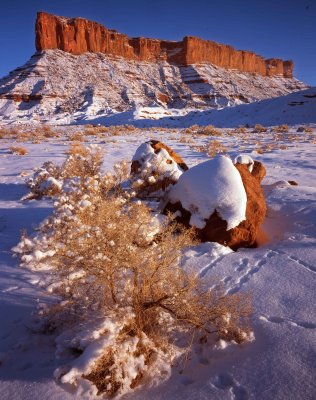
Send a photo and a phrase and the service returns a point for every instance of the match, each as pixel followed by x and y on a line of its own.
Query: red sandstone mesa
pixel 78 35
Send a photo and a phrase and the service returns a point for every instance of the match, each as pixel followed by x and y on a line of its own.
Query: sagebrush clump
pixel 109 257
pixel 49 178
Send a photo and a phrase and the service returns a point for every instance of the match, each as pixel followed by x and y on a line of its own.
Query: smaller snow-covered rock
pixel 258 171
pixel 256 168
pixel 244 159
pixel 155 166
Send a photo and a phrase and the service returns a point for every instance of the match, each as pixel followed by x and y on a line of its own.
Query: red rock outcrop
pixel 215 229
pixel 78 35
pixel 258 171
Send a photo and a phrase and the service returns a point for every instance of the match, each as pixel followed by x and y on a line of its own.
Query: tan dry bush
pixel 185 139
pixel 95 129
pixel 46 181
pixel 76 148
pixel 191 129
pixel 216 147
pixel 308 129
pixel 9 132
pixel 90 130
pixel 281 128
pixel 258 128
pixel 47 131
pixel 112 259
pixel 17 150
pixel 240 130
pixel 23 137
pixel 77 137
pixel 82 162
pixel 209 130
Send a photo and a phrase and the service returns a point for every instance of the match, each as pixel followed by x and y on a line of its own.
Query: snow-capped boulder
pixel 245 159
pixel 155 167
pixel 223 201
pixel 256 168
pixel 258 171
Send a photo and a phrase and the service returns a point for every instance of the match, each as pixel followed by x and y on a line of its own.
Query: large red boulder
pixel 215 227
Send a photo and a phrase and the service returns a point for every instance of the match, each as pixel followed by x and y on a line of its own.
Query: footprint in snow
pixel 244 262
pixel 280 320
pixel 186 381
pixel 10 289
pixel 225 381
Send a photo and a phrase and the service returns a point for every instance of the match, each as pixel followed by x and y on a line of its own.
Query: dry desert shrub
pixel 191 129
pixel 47 131
pixel 76 148
pixel 77 137
pixel 17 150
pixel 82 161
pixel 281 128
pixel 209 130
pixel 108 256
pixel 49 178
pixel 8 132
pixel 216 147
pixel 186 139
pixel 118 130
pixel 44 182
pixel 94 129
pixel 240 130
pixel 259 129
pixel 308 129
pixel 211 148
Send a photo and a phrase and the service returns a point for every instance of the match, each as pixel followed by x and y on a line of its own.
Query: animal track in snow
pixel 10 289
pixel 244 263
pixel 225 381
pixel 186 381
pixel 280 320
pixel 302 263
pixel 227 279
pixel 249 271
pixel 297 260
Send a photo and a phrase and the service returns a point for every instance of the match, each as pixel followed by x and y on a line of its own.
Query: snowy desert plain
pixel 277 362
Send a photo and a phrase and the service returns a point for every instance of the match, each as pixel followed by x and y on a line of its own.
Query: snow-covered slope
pixel 278 365
pixel 294 108
pixel 59 87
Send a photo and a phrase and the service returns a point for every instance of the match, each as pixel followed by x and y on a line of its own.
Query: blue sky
pixel 284 29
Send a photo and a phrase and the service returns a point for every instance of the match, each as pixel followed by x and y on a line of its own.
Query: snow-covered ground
pixel 279 364
pixel 294 108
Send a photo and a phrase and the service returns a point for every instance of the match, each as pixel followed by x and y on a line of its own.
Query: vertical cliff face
pixel 78 36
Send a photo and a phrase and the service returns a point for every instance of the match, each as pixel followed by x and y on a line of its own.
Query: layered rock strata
pixel 78 36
